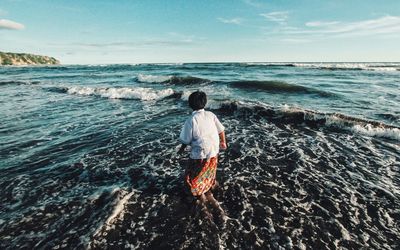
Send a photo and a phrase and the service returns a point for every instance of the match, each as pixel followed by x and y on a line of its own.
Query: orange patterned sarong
pixel 200 175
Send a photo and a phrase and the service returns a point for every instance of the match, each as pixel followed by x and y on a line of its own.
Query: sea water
pixel 88 156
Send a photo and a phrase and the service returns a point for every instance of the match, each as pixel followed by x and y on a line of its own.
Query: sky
pixel 177 31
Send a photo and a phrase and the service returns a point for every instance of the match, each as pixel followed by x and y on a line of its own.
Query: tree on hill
pixel 7 61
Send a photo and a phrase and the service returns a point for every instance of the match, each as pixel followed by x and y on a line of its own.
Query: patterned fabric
pixel 200 175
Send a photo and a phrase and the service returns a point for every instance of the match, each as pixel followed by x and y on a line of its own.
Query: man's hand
pixel 222 141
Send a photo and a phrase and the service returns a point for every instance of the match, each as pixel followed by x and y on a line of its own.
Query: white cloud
pixel 128 45
pixel 235 20
pixel 252 3
pixel 295 40
pixel 382 25
pixel 277 16
pixel 10 25
pixel 320 24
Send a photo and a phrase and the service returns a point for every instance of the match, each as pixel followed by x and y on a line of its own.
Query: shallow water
pixel 88 156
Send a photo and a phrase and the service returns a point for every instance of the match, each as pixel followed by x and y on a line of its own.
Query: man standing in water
pixel 205 134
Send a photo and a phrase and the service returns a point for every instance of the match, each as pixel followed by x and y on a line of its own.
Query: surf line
pixel 119 206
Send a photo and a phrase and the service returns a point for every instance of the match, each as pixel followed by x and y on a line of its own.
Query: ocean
pixel 88 156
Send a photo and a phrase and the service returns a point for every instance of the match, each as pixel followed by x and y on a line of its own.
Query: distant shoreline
pixel 25 59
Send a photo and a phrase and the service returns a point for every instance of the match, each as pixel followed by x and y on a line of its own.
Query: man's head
pixel 197 100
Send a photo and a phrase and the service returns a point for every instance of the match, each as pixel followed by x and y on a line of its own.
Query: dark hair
pixel 197 100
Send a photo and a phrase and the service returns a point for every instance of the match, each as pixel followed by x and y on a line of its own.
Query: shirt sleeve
pixel 187 132
pixel 218 124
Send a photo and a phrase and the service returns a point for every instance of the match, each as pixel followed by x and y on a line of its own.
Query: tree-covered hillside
pixel 25 59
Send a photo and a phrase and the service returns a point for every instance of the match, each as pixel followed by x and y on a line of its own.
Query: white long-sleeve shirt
pixel 201 132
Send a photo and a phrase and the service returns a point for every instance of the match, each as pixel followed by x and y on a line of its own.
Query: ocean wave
pixel 171 79
pixel 153 78
pixel 287 114
pixel 255 64
pixel 187 80
pixel 144 94
pixel 278 86
pixel 159 64
pixel 18 82
pixel 351 66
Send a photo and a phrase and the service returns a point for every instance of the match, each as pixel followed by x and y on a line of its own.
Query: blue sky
pixel 138 31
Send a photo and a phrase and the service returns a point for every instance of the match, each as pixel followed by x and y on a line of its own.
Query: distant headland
pixel 7 58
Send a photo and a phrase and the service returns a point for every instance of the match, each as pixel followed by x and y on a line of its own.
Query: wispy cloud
pixel 236 20
pixel 127 45
pixel 277 16
pixel 252 3
pixel 385 26
pixel 168 40
pixel 10 25
pixel 321 24
pixel 382 25
pixel 134 44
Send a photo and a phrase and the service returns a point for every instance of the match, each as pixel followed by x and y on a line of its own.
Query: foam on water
pixel 299 115
pixel 352 66
pixel 153 78
pixel 299 171
pixel 144 94
pixel 388 67
pixel 368 129
pixel 172 79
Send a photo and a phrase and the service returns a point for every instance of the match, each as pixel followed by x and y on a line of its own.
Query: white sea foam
pixel 373 129
pixel 391 133
pixel 117 212
pixel 144 94
pixel 364 128
pixel 350 66
pixel 353 124
pixel 153 78
pixel 185 95
pixel 118 208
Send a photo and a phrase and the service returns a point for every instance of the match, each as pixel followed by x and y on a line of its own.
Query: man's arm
pixel 222 141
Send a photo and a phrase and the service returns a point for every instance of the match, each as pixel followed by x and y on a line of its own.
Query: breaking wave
pixel 330 66
pixel 171 79
pixel 295 115
pixel 144 94
pixel 278 86
pixel 351 66
pixel 269 64
pixel 152 78
pixel 18 82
